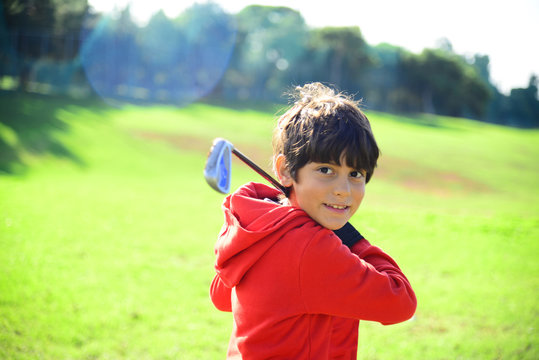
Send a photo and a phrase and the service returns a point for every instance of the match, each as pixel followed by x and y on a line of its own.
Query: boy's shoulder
pixel 256 191
pixel 259 207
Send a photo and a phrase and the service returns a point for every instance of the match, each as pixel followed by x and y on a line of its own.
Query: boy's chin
pixel 330 222
pixel 333 228
pixel 334 225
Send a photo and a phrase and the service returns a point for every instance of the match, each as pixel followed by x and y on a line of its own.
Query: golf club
pixel 217 171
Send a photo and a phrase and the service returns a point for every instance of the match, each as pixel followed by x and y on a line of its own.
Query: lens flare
pixel 173 61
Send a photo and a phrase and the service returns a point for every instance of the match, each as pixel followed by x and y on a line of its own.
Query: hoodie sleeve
pixel 220 294
pixel 364 284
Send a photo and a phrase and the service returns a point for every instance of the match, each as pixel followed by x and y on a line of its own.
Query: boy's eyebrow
pixel 332 162
pixel 325 162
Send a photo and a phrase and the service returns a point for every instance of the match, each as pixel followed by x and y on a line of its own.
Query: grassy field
pixel 107 231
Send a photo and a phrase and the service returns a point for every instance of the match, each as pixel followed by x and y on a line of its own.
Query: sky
pixel 506 31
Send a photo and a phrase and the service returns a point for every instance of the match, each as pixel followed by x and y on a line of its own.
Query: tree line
pixel 253 55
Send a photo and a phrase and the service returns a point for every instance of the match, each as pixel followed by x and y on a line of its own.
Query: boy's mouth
pixel 337 207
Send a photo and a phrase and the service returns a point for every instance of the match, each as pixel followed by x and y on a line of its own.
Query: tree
pixel 340 56
pixel 482 65
pixel 35 15
pixel 109 55
pixel 524 105
pixel 205 43
pixel 26 20
pixel 42 28
pixel 384 89
pixel 445 83
pixel 270 40
pixel 69 16
pixel 159 58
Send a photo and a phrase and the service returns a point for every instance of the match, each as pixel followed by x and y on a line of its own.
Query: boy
pixel 293 271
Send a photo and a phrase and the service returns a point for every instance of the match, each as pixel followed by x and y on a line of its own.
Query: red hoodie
pixel 295 291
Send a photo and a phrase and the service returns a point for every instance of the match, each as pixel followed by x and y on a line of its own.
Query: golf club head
pixel 218 165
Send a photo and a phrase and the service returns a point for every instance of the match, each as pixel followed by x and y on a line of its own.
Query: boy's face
pixel 328 193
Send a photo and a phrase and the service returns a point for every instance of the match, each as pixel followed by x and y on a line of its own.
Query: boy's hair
pixel 321 126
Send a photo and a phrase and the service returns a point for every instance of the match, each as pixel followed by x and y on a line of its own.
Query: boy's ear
pixel 282 170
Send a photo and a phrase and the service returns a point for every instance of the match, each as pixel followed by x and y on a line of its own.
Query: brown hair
pixel 321 126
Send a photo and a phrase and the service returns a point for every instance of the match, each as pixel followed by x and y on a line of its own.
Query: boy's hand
pixel 348 235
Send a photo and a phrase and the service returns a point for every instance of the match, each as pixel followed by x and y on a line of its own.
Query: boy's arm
pixel 352 238
pixel 220 294
pixel 366 284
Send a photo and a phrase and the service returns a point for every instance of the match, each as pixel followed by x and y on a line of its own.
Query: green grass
pixel 107 245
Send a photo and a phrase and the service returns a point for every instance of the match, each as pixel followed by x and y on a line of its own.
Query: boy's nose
pixel 342 187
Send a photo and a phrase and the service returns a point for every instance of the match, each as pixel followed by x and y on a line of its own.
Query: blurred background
pixel 468 60
pixel 108 110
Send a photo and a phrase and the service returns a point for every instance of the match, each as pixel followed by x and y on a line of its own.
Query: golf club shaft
pixel 259 170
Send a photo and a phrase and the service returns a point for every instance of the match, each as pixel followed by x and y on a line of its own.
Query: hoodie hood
pixel 254 221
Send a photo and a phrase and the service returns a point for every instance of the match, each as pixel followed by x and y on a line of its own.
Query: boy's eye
pixel 356 174
pixel 325 170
